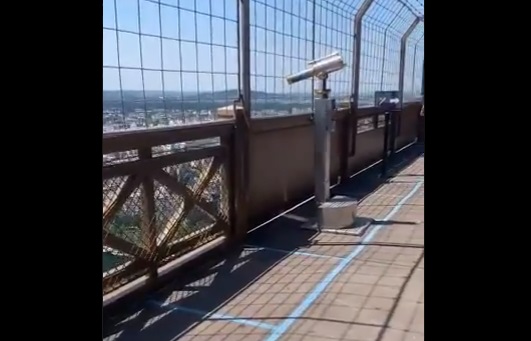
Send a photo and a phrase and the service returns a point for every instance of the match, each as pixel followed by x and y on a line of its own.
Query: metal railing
pixel 167 194
pixel 172 181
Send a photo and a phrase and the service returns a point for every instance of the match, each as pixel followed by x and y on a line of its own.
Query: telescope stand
pixel 336 215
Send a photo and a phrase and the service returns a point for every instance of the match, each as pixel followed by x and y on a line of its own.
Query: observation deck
pixel 208 171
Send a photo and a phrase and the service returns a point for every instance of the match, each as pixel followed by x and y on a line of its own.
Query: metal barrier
pixel 172 180
pixel 162 197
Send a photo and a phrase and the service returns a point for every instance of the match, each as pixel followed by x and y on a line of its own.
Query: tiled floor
pixel 294 284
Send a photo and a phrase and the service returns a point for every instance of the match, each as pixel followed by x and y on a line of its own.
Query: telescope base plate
pixel 339 216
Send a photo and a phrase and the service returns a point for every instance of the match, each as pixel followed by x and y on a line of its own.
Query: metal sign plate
pixel 387 100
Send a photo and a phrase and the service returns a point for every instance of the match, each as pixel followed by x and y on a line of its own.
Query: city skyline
pixel 191 46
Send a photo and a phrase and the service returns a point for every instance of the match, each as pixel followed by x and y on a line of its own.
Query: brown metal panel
pixel 369 149
pixel 408 124
pixel 281 167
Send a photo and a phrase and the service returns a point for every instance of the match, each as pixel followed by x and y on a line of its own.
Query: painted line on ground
pixel 213 316
pixel 281 329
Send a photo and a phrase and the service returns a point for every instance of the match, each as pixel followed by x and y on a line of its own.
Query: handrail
pixel 128 140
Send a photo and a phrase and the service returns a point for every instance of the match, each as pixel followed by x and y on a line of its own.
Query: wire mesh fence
pixel 177 62
pixel 286 35
pixel 174 62
pixel 168 62
pixel 384 24
pixel 282 42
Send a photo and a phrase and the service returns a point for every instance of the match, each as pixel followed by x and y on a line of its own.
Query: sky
pixel 191 45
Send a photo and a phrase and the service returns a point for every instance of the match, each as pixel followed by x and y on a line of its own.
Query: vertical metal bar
pixel 354 125
pixel 322 122
pixel 356 54
pixel 383 58
pixel 245 55
pixel 413 76
pixel 229 166
pixel 421 119
pixel 356 65
pixel 241 144
pixel 241 174
pixel 403 47
pixel 322 132
pixel 345 136
pixel 375 118
pixel 393 132
pixel 385 144
pixel 149 231
pixel 422 89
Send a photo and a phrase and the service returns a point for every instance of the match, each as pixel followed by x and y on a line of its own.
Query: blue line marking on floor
pixel 299 253
pixel 214 316
pixel 281 329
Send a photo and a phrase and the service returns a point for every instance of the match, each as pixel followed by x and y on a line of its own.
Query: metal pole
pixel 413 84
pixel 393 133
pixel 413 76
pixel 383 59
pixel 356 54
pixel 322 123
pixel 386 144
pixel 240 143
pixel 245 55
pixel 356 65
pixel 422 89
pixel 403 47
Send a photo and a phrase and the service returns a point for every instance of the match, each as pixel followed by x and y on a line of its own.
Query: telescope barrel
pixel 302 75
pixel 325 65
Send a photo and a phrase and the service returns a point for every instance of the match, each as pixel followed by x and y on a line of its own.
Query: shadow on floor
pixel 283 232
pixel 392 312
pixel 208 289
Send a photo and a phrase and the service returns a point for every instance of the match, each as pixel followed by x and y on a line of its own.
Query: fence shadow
pixel 209 289
pixel 285 232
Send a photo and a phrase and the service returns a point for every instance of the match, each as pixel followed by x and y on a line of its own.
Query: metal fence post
pixel 422 89
pixel 242 113
pixel 403 47
pixel 401 73
pixel 421 122
pixel 356 62
pixel 386 31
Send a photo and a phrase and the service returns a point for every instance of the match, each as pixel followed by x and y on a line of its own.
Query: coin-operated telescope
pixel 319 68
pixel 338 212
pixel 322 117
